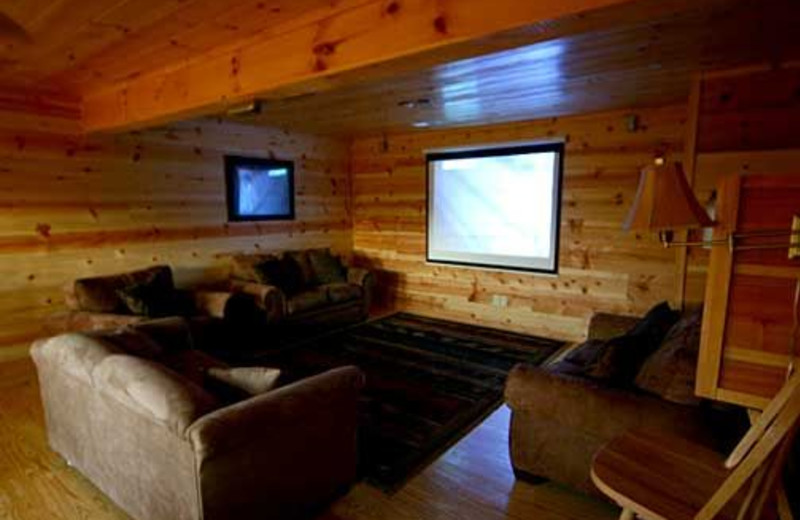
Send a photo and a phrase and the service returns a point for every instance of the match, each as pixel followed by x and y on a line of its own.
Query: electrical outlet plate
pixel 794 239
pixel 499 300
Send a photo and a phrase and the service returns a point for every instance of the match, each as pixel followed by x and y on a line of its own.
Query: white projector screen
pixel 496 207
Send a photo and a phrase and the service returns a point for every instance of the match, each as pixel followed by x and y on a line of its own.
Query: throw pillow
pixel 235 384
pixel 670 371
pixel 155 297
pixel 269 272
pixel 624 355
pixel 620 360
pixel 654 326
pixel 292 281
pixel 327 268
pixel 302 263
pixel 144 299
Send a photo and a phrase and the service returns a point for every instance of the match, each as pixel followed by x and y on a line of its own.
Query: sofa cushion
pixel 191 364
pixel 616 361
pixel 307 300
pixel 606 326
pixel 670 371
pixel 343 292
pixel 153 299
pixel 129 340
pixel 251 380
pixel 153 390
pixel 623 356
pixel 99 294
pixel 326 267
pixel 303 264
pixel 283 273
pixel 242 266
pixel 269 272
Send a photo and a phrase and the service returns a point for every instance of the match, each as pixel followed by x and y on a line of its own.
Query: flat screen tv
pixel 259 189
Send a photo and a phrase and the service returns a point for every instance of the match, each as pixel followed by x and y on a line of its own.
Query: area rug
pixel 429 381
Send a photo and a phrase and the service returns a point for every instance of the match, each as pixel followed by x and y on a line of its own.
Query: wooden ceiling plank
pixel 352 39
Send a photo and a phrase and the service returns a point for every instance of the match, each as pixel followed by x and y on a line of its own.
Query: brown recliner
pixel 164 448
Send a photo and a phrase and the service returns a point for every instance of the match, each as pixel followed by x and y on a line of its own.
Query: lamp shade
pixel 664 201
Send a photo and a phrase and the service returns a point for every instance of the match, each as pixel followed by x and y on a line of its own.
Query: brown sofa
pixel 559 421
pixel 308 287
pixel 94 303
pixel 126 409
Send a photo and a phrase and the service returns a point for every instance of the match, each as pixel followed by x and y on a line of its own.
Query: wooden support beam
pixel 347 45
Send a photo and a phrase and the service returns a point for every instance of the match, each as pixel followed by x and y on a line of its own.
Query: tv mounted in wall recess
pixel 259 189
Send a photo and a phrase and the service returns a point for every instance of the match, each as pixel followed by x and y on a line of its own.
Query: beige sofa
pixel 559 421
pixel 126 409
pixel 306 287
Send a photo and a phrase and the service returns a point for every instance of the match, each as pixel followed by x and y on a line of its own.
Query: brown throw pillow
pixel 292 281
pixel 670 371
pixel 269 272
pixel 303 265
pixel 623 356
pixel 327 268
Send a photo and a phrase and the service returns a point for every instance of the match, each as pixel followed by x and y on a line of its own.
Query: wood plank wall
pixel 77 206
pixel 602 268
pixel 748 123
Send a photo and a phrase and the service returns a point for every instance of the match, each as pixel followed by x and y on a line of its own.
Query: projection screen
pixel 496 207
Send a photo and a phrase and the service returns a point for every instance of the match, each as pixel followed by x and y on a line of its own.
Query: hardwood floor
pixel 473 480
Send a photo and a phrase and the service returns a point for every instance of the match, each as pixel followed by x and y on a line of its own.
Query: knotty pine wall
pixel 601 267
pixel 77 206
pixel 748 123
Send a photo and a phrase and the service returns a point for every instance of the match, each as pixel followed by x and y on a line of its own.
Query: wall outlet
pixel 500 300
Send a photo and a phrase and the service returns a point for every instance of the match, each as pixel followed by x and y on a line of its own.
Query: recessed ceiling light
pixel 420 124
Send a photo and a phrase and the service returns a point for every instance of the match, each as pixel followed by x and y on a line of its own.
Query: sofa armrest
pixel 269 298
pixel 592 408
pixel 271 453
pixel 606 326
pixel 212 303
pixel 366 279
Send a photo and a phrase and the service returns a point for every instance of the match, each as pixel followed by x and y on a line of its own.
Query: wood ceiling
pixel 640 64
pixel 636 53
pixel 73 43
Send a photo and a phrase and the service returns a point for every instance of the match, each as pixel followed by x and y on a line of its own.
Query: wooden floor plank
pixel 473 480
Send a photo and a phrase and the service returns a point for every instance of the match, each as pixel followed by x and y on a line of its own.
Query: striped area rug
pixel 429 381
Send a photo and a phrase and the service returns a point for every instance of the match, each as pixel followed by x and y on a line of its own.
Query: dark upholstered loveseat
pixel 129 410
pixel 308 287
pixel 95 303
pixel 559 421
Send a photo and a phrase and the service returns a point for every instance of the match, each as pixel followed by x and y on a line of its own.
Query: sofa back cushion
pixel 153 390
pixel 326 267
pixel 670 371
pixel 242 266
pixel 624 355
pixel 303 265
pixel 605 326
pixel 284 273
pixel 617 360
pixel 100 294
